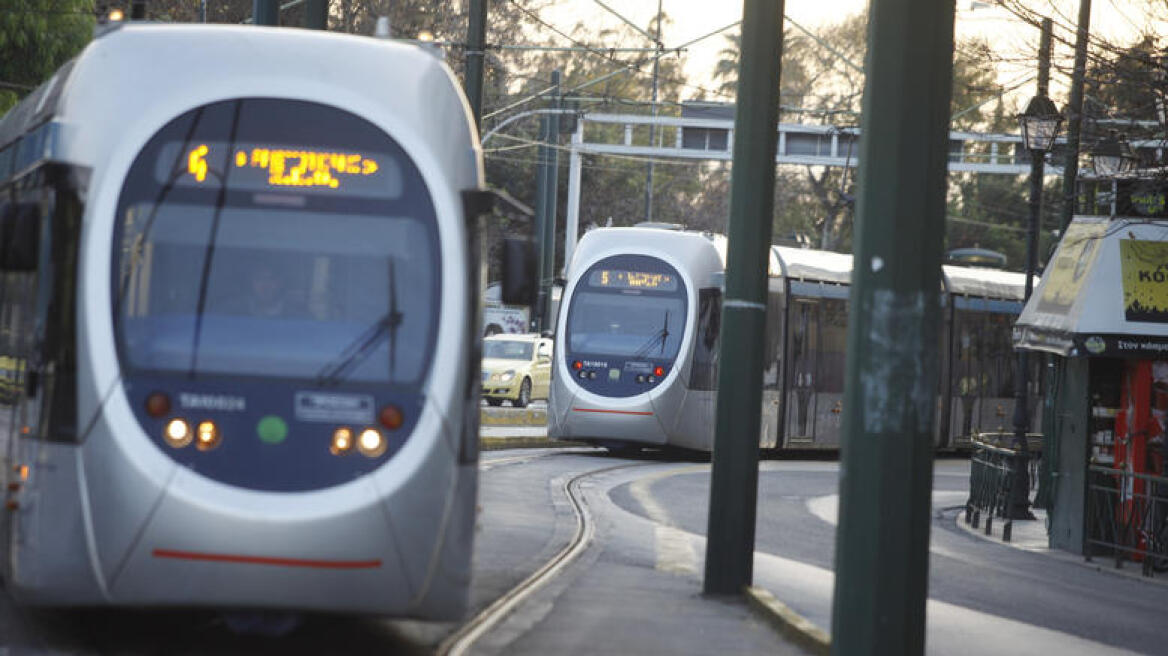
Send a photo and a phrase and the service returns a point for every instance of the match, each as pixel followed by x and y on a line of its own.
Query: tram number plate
pixel 334 408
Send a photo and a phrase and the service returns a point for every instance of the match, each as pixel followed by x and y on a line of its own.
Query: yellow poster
pixel 1066 274
pixel 1145 280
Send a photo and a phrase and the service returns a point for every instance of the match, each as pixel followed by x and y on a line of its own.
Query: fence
pixel 1127 518
pixel 991 479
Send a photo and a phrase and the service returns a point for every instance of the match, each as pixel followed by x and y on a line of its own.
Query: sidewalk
pixel 1030 535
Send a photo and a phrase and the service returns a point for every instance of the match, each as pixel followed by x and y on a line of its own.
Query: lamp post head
pixel 1113 155
pixel 1040 124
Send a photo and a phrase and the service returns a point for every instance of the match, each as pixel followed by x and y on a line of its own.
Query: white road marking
pixel 674 552
pixel 951 629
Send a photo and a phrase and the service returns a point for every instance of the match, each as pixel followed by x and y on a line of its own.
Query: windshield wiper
pixel 365 343
pixel 209 253
pixel 661 335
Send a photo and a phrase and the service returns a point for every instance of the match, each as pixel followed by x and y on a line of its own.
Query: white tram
pixel 637 345
pixel 239 331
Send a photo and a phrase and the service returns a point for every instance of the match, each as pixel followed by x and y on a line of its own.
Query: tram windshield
pixel 309 269
pixel 628 307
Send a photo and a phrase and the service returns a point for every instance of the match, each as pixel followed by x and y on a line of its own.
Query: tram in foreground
pixel 238 317
pixel 637 345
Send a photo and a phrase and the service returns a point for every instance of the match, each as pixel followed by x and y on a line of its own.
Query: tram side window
pixel 772 366
pixel 833 346
pixel 704 374
pixel 19 303
pixel 1001 363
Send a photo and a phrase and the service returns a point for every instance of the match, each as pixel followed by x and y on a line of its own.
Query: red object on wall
pixel 1134 426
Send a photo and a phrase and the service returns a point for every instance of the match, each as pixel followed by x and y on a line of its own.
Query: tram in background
pixel 239 312
pixel 637 345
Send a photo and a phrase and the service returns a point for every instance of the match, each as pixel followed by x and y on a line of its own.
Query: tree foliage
pixel 36 37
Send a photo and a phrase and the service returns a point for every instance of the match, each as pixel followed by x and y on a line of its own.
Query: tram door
pixel 803 326
pixel 816 367
pixel 982 378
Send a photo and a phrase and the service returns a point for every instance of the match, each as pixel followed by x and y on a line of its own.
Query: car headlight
pixel 507 375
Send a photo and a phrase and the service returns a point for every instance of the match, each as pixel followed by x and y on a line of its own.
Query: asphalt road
pixel 637 587
pixel 984 597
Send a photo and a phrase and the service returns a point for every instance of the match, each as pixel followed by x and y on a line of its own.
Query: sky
pixel 1112 19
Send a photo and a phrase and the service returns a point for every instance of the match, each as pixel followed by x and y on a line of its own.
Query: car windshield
pixel 507 349
pixel 210 278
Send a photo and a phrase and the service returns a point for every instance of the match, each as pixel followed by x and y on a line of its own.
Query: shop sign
pixel 1066 275
pixel 1145 280
pixel 1142 198
pixel 1121 346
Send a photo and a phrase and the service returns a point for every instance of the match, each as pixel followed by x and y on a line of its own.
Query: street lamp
pixel 1040 125
pixel 1113 155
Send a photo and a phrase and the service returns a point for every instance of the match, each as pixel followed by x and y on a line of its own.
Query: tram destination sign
pixel 624 279
pixel 278 167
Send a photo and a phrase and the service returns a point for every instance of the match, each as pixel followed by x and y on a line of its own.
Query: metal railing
pixel 1127 518
pixel 991 479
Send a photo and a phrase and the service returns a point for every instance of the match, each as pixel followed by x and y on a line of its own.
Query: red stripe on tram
pixel 266 560
pixel 614 412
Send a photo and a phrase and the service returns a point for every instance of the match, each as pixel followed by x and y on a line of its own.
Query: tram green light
pixel 272 429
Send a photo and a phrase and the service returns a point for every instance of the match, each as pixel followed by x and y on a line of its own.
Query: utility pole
pixel 734 476
pixel 545 218
pixel 886 455
pixel 266 12
pixel 316 14
pixel 476 51
pixel 1075 116
pixel 652 126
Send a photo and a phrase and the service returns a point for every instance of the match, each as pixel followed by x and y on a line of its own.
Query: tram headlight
pixel 207 436
pixel 371 443
pixel 177 433
pixel 342 441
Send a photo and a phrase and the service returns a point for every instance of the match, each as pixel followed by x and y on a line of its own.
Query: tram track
pixel 489 464
pixel 461 641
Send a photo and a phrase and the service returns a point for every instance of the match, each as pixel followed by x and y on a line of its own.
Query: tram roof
pixel 828 266
pixel 988 283
pixel 153 72
pixel 813 265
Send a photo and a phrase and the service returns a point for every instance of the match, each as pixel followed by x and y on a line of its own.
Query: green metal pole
pixel 734 479
pixel 551 179
pixel 1075 115
pixel 476 50
pixel 541 220
pixel 266 12
pixel 886 458
pixel 316 14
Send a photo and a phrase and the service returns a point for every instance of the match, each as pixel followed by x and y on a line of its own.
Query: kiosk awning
pixel 1104 293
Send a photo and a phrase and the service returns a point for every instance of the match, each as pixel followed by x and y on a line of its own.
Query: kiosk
pixel 1101 311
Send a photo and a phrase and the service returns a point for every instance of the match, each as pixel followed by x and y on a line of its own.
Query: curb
pixel 496 443
pixel 787 622
pixel 517 417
